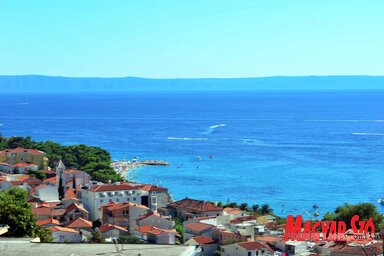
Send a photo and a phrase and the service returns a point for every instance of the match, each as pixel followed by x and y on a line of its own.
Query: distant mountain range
pixel 37 83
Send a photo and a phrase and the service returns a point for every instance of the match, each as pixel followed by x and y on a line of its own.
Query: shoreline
pixel 124 167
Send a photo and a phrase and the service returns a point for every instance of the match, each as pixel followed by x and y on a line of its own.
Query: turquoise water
pixel 288 149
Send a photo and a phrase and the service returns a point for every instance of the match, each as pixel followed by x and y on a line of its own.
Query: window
pixel 249 253
pixel 154 200
pixel 134 199
pixel 154 193
pixel 117 199
pixel 101 200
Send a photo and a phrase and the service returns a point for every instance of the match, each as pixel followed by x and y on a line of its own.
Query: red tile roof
pixel 194 205
pixel 62 229
pixel 144 216
pixel 80 223
pixel 74 206
pixel 242 219
pixel 22 150
pixel 70 192
pixel 197 227
pixel 50 180
pixel 157 231
pixel 47 221
pixel 113 187
pixel 107 227
pixel 203 240
pixel 24 164
pixel 153 230
pixel 42 211
pixel 254 245
pixel 144 229
pixel 149 187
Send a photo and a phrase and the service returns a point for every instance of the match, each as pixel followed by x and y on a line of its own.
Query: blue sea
pixel 291 150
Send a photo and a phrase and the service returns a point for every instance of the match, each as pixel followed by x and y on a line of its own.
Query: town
pixel 76 209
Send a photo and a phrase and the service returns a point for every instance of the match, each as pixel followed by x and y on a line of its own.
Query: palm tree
pixel 243 206
pixel 255 208
pixel 265 209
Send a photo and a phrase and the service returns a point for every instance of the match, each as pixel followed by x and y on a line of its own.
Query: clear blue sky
pixel 199 38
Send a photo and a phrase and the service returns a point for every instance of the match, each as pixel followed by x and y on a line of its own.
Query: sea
pixel 294 150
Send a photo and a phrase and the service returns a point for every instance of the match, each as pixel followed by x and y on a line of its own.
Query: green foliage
pixel 129 240
pixel 179 228
pixel 17 214
pixel 93 160
pixel 243 206
pixel 97 237
pixel 231 205
pixel 256 208
pixel 265 209
pixel 364 210
pixel 37 174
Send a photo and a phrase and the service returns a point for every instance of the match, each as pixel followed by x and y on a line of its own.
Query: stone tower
pixel 60 179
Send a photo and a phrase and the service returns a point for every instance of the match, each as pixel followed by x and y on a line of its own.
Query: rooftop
pixel 194 205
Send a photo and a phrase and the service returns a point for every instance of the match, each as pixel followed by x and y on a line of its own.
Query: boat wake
pixel 212 129
pixel 177 138
pixel 368 134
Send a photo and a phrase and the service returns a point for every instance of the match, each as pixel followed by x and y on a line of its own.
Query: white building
pixel 60 234
pixel 97 195
pixel 47 193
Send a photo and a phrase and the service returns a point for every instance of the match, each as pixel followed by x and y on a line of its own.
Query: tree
pixel 60 189
pixel 232 204
pixel 255 208
pixel 17 214
pixel 97 237
pixel 129 240
pixel 37 174
pixel 364 210
pixel 243 206
pixel 265 209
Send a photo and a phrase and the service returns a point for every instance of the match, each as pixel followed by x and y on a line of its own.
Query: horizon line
pixel 176 78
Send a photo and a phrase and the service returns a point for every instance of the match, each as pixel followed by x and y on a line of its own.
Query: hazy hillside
pixel 68 84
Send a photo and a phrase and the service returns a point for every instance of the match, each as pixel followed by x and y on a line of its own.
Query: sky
pixel 191 39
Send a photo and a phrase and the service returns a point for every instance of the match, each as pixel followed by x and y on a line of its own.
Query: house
pixel 47 193
pixel 234 213
pixel 114 231
pixel 226 237
pixel 33 182
pixel 161 236
pixel 74 211
pixel 48 223
pixel 156 235
pixel 207 246
pixel 4 185
pixel 19 155
pixel 5 167
pixel 95 196
pixel 24 167
pixel 80 223
pixel 189 209
pixel 197 229
pixel 352 249
pixel 247 249
pixel 42 212
pixel 61 234
pixel 77 177
pixel 123 214
pixel 154 219
pixel 83 226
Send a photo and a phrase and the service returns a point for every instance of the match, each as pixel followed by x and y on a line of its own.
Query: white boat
pixel 380 201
